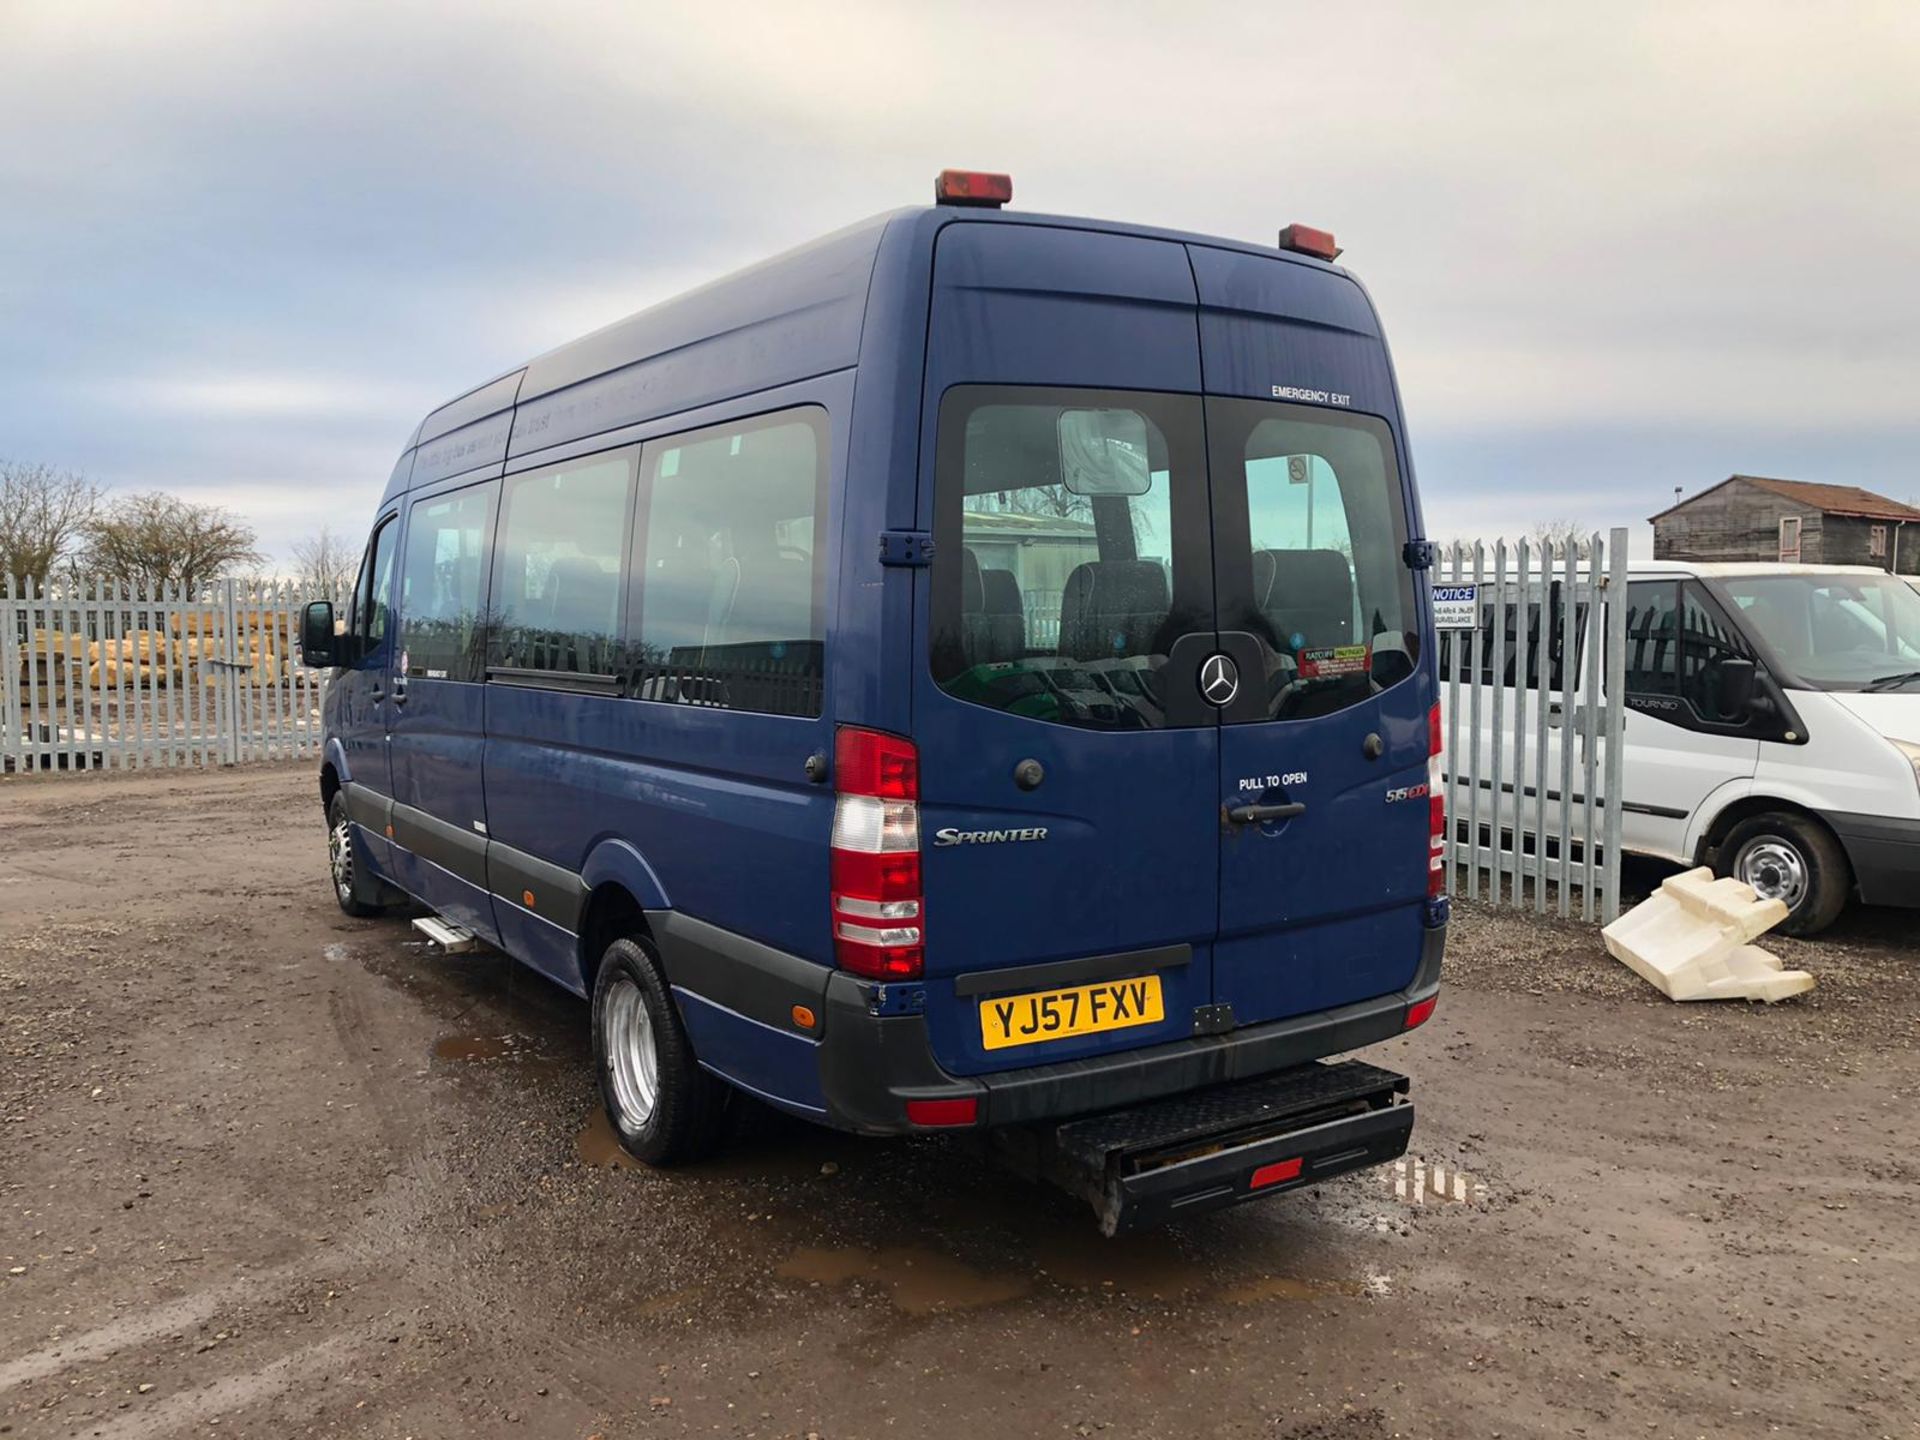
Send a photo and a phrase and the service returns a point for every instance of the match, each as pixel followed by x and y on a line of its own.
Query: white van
pixel 1772 728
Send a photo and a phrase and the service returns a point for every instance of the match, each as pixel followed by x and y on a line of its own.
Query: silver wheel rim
pixel 340 858
pixel 1775 869
pixel 627 1041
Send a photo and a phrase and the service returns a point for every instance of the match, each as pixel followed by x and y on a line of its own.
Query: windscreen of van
pixel 1061 580
pixel 1835 632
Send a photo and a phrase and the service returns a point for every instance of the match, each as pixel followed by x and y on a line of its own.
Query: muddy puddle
pixel 599 1147
pixel 476 1047
pixel 918 1281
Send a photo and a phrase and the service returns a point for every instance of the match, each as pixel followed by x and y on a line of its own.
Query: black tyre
pixel 661 1104
pixel 359 891
pixel 1791 858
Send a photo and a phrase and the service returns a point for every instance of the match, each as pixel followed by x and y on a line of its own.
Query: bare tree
pixel 1555 537
pixel 159 539
pixel 1046 502
pixel 325 565
pixel 43 513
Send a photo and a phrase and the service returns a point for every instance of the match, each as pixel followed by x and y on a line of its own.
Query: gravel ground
pixel 265 1170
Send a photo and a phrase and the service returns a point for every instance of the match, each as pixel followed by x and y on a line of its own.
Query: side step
pixel 1211 1148
pixel 451 939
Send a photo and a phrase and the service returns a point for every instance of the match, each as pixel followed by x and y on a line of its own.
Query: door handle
pixel 1255 814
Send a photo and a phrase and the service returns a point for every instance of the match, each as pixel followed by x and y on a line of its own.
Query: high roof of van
pixel 810 300
pixel 1723 569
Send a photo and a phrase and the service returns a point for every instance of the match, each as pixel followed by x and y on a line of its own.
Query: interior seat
pixel 1112 608
pixel 1308 593
pixel 1006 614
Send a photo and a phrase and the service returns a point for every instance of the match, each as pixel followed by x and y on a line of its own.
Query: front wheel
pixel 360 894
pixel 1794 860
pixel 661 1104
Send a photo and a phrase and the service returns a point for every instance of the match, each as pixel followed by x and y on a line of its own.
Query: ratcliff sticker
pixel 1332 660
pixel 1456 607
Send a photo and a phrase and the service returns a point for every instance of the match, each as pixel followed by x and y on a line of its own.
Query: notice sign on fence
pixel 1456 607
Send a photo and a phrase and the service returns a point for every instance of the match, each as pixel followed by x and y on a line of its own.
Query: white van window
pixel 1835 632
pixel 1544 651
pixel 727 580
pixel 557 595
pixel 1653 638
pixel 1677 639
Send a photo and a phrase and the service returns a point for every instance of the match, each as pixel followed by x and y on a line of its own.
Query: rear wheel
pixel 1792 859
pixel 661 1104
pixel 359 892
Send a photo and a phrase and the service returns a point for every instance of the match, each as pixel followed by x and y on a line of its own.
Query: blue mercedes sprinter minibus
pixel 972 672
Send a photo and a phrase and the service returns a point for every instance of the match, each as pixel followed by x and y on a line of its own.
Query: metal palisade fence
pixel 1532 657
pixel 98 674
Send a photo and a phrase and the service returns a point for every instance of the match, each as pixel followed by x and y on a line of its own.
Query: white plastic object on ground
pixel 1690 939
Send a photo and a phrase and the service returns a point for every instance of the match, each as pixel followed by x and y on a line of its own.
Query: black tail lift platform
pixel 1192 1153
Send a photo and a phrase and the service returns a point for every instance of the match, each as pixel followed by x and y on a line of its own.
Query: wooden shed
pixel 1755 517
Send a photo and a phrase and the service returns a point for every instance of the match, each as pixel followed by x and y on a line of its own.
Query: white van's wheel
pixel 660 1103
pixel 1791 859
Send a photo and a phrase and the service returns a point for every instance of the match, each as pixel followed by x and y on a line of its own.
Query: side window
pixel 1653 638
pixel 442 582
pixel 373 591
pixel 727 577
pixel 1705 641
pixel 557 593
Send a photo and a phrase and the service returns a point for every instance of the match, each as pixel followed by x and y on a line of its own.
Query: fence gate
pixel 98 675
pixel 1532 670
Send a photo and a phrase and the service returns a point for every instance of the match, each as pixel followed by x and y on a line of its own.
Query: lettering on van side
pixel 1316 397
pixel 1260 784
pixel 951 836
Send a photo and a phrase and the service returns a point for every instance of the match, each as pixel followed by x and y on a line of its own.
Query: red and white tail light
pixel 877 906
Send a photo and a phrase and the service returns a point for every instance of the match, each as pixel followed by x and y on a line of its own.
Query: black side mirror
pixel 320 648
pixel 1737 677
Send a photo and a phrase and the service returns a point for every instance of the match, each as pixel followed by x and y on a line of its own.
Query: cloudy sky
pixel 1619 248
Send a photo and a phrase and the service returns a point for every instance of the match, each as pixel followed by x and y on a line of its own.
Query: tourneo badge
pixel 1219 680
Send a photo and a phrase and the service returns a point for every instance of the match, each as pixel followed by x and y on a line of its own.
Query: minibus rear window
pixel 1070 550
pixel 1311 528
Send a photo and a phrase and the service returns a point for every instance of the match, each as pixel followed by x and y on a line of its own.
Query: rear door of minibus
pixel 1326 736
pixel 1068 764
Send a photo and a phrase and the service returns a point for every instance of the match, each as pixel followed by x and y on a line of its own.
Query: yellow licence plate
pixel 1058 1014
